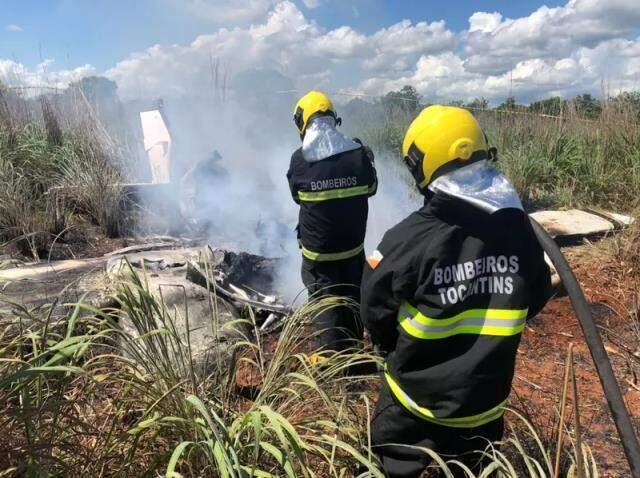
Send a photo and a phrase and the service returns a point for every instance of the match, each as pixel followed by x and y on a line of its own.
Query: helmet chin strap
pixel 413 160
pixel 414 167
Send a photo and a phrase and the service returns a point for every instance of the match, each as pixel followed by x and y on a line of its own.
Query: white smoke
pixel 397 197
pixel 249 207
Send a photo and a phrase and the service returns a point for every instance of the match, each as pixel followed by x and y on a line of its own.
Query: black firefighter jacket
pixel 333 196
pixel 446 297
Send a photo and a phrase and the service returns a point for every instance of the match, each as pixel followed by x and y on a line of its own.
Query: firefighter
pixel 445 298
pixel 331 177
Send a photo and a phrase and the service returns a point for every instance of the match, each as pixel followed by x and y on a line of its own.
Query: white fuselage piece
pixel 157 144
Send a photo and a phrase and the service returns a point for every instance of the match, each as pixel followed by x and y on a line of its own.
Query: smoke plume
pixel 245 204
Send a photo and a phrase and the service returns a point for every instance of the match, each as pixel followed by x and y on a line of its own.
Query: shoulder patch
pixel 375 258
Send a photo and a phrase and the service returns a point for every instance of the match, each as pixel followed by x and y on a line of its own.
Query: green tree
pixel 407 100
pixel 628 101
pixel 478 104
pixel 587 105
pixel 509 104
pixel 549 106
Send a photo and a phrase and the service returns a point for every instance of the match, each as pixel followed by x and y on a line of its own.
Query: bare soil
pixel 540 370
pixel 611 289
pixel 86 243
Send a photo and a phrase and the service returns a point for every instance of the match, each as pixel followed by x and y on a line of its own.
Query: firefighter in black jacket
pixel 446 296
pixel 331 177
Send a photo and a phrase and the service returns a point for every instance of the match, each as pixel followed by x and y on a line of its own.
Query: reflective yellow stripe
pixel 342 193
pixel 498 322
pixel 426 414
pixel 331 256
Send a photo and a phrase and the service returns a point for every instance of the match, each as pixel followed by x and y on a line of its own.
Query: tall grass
pixel 52 171
pixel 552 162
pixel 83 395
pixel 569 162
pixel 87 397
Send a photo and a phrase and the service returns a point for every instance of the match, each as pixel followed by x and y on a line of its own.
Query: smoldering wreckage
pixel 191 278
pixel 195 280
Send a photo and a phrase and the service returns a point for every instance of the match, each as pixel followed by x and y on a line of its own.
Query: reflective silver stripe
pixel 426 414
pixel 331 256
pixel 500 322
pixel 327 195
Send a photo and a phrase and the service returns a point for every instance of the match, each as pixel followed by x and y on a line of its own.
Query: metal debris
pixel 215 283
pixel 154 246
pixel 573 225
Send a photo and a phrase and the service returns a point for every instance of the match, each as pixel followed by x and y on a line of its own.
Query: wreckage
pixel 239 279
pixel 211 297
pixel 209 293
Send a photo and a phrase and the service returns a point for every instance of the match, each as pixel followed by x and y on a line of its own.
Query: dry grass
pixel 552 162
pixel 84 397
pixel 39 153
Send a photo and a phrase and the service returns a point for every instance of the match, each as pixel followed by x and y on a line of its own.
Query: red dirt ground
pixel 542 355
pixel 540 368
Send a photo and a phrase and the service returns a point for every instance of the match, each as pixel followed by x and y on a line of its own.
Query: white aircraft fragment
pixel 573 224
pixel 157 144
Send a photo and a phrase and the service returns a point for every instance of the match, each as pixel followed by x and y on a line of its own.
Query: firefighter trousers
pixel 392 423
pixel 337 328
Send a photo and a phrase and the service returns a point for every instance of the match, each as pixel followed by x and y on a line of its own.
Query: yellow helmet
pixel 440 139
pixel 311 104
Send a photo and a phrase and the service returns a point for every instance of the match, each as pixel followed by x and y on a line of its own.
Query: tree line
pixel 407 100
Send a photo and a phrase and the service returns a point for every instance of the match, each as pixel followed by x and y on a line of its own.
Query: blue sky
pixel 447 49
pixel 75 32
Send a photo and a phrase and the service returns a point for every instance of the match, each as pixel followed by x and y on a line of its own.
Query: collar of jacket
pixel 322 140
pixel 478 185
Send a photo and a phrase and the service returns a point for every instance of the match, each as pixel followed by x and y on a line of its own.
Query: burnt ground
pixel 77 243
pixel 611 287
pixel 86 243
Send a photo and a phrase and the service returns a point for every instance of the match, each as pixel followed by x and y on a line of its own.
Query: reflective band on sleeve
pixel 499 322
pixel 426 414
pixel 343 193
pixel 331 256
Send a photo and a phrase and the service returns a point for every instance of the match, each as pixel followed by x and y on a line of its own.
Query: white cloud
pixel 446 76
pixel 13 28
pixel 14 74
pixel 341 42
pixel 286 41
pixel 564 50
pixel 484 22
pixel 399 46
pixel 494 43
